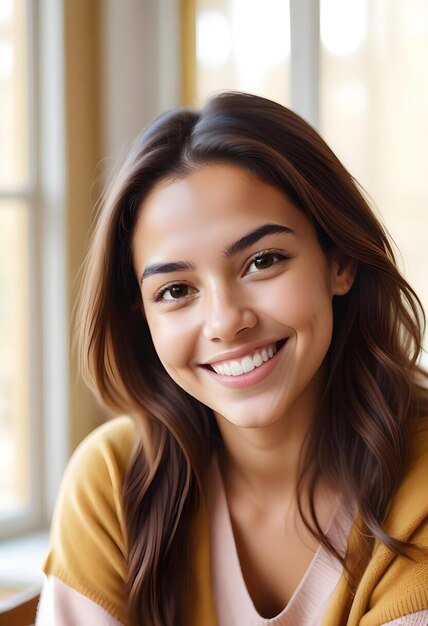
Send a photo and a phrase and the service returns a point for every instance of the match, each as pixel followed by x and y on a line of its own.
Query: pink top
pixel 61 605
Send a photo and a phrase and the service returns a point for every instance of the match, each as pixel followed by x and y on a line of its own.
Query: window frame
pixel 24 519
pixel 304 56
pixel 45 202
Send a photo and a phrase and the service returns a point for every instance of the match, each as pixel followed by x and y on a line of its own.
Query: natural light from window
pixel 14 260
pixel 374 103
pixel 243 45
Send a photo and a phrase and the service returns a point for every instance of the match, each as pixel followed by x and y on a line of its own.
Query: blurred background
pixel 80 78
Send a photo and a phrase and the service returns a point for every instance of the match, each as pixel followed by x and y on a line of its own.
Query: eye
pixel 174 292
pixel 264 261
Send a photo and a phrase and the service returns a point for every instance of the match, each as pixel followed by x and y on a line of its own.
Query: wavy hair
pixel 375 387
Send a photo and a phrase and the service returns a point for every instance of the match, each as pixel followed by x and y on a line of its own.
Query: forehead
pixel 214 204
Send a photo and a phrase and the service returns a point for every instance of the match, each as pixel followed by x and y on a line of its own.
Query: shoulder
pixel 399 585
pixel 88 548
pixel 108 447
pixel 393 586
pixel 97 468
pixel 419 441
pixel 410 505
pixel 114 437
pixel 408 513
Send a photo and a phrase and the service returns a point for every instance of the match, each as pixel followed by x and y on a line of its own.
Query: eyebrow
pixel 234 248
pixel 254 236
pixel 166 268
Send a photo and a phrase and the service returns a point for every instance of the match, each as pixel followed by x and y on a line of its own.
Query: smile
pixel 249 362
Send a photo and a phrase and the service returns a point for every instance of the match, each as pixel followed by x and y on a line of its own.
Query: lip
pixel 258 374
pixel 233 355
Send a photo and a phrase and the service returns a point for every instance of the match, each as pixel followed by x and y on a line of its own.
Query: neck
pixel 263 464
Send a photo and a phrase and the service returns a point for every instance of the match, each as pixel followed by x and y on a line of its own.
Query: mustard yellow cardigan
pixel 88 546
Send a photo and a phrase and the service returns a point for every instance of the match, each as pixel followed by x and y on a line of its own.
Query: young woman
pixel 241 305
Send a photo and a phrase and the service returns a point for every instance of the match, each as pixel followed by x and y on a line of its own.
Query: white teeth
pixel 236 368
pixel 257 359
pixel 246 364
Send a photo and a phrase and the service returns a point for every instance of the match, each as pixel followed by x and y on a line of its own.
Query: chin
pixel 249 419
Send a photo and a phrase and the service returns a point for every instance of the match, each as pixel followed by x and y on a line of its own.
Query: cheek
pixel 300 302
pixel 173 342
pixel 314 317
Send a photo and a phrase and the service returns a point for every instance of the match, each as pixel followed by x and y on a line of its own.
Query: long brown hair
pixel 375 387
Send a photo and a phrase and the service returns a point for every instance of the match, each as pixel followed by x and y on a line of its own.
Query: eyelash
pixel 158 296
pixel 280 256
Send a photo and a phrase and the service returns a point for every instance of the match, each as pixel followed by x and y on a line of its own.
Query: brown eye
pixel 178 291
pixel 263 262
pixel 174 292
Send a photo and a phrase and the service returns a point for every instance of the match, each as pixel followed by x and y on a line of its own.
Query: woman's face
pixel 237 293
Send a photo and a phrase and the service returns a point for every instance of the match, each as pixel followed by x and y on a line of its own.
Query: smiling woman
pixel 242 306
pixel 245 289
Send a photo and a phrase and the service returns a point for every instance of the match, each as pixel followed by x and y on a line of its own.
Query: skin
pixel 234 303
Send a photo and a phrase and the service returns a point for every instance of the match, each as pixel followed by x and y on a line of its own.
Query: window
pixel 19 473
pixel 374 103
pixel 43 221
pixel 243 45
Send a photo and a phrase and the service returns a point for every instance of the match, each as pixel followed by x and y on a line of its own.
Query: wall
pixel 122 68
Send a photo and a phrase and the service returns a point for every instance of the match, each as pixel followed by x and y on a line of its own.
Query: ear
pixel 342 274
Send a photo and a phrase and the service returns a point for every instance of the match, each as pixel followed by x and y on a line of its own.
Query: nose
pixel 226 315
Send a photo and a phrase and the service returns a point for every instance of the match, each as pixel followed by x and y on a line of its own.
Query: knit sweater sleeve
pixel 88 541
